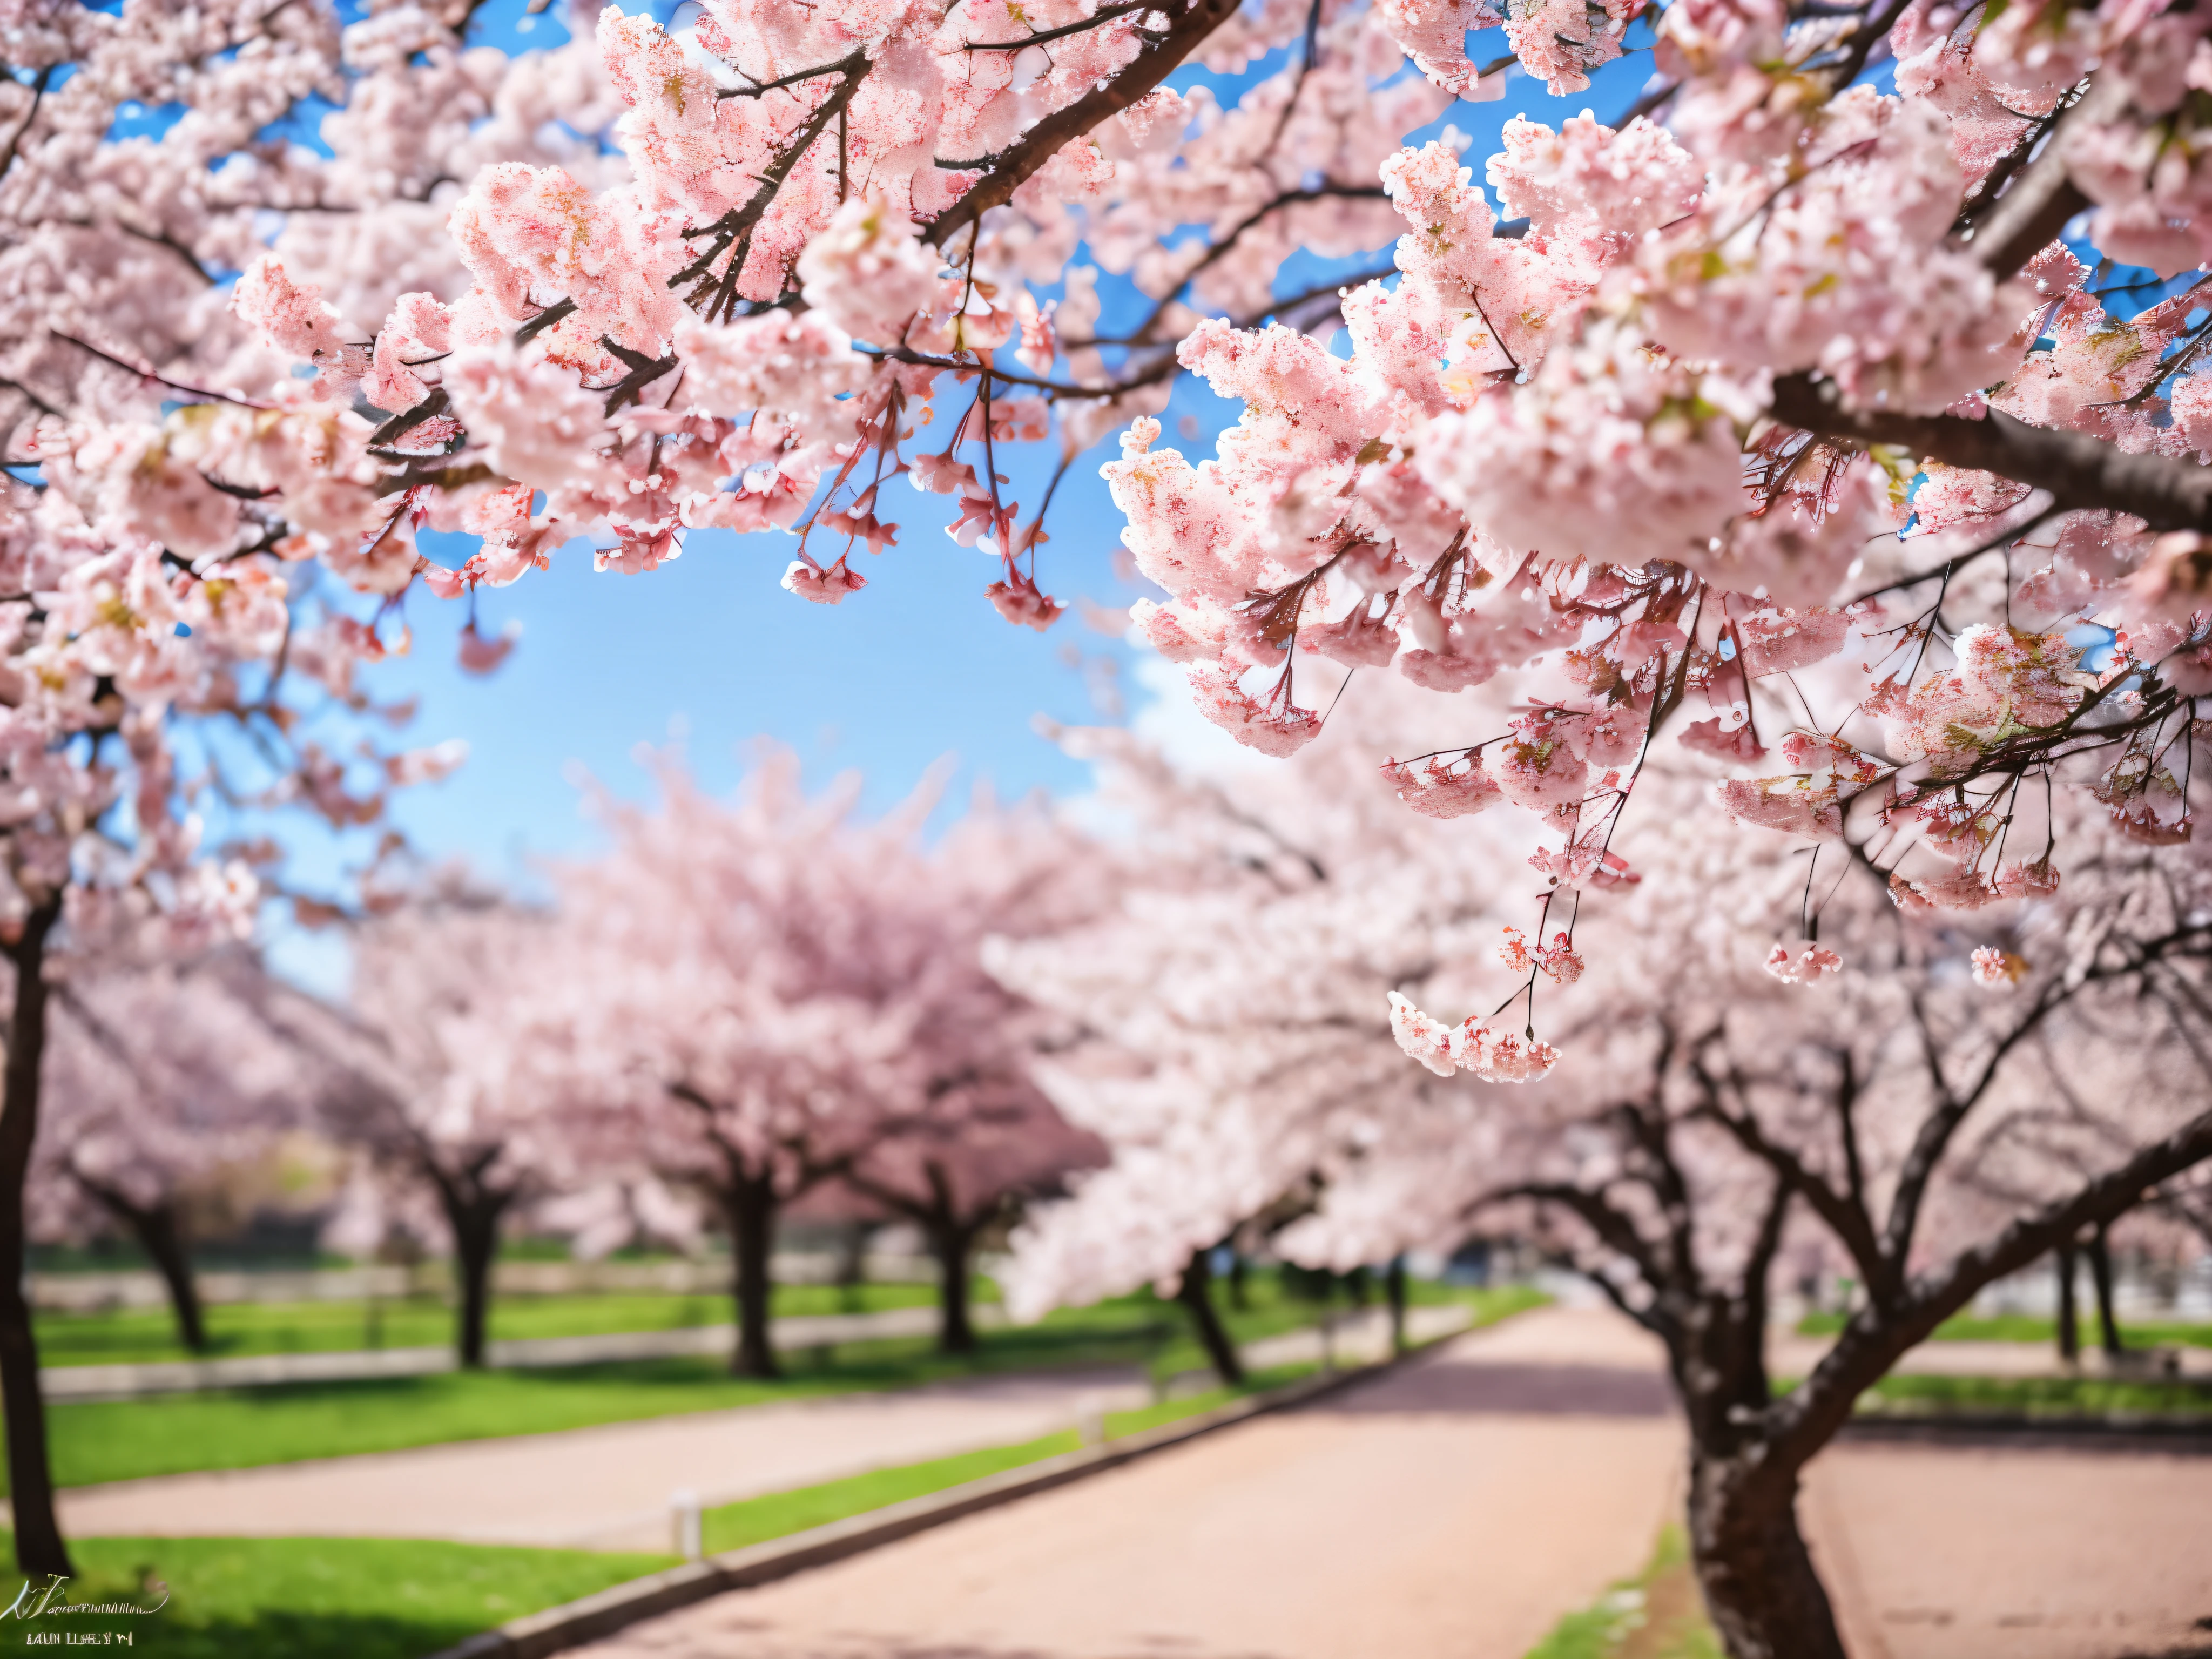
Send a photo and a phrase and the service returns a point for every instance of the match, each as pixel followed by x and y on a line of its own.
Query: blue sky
pixel 710 649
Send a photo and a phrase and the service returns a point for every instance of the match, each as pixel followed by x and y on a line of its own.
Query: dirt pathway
pixel 1451 1511
pixel 607 1488
pixel 2014 1551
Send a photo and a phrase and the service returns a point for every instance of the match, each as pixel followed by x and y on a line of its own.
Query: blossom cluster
pixel 1706 429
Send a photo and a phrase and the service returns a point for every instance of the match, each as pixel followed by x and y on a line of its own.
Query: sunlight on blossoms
pixel 1353 552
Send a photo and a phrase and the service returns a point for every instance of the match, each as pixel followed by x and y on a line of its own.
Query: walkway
pixel 607 1488
pixel 1449 1510
pixel 1790 1355
pixel 2016 1549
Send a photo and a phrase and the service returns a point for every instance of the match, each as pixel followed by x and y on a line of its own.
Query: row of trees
pixel 1196 1022
pixel 1784 393
pixel 740 1005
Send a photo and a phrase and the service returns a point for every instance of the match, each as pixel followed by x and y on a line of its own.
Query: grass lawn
pixel 334 1598
pixel 138 1335
pixel 320 1598
pixel 1657 1614
pixel 373 1598
pixel 2056 1397
pixel 242 1428
pixel 2029 1328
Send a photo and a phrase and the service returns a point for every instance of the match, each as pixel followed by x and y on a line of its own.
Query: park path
pixel 1450 1509
pixel 2019 1550
pixel 1789 1354
pixel 610 1487
pixel 605 1488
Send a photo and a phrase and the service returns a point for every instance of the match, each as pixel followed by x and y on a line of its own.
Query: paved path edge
pixel 574 1623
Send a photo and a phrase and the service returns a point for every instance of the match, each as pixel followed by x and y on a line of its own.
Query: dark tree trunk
pixel 748 1203
pixel 2069 1324
pixel 1763 1596
pixel 951 1242
pixel 1240 1288
pixel 1358 1285
pixel 1212 1334
pixel 154 1227
pixel 38 1546
pixel 474 1218
pixel 2099 1252
pixel 1394 1284
pixel 852 1265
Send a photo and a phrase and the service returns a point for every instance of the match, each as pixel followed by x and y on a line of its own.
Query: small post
pixel 1329 1340
pixel 686 1526
pixel 1090 1424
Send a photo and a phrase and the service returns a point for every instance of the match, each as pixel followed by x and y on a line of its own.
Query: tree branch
pixel 1007 171
pixel 1852 1226
pixel 2078 471
pixel 1934 1137
pixel 1614 1229
pixel 1103 14
pixel 1869 1346
pixel 2029 216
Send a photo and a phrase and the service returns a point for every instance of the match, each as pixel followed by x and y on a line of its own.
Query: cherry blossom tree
pixel 1676 1168
pixel 2056 1145
pixel 1657 434
pixel 160 1076
pixel 740 981
pixel 977 1138
pixel 1236 1055
pixel 441 1071
pixel 1774 390
pixel 161 616
pixel 1717 1101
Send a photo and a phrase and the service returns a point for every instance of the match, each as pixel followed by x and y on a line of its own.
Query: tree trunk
pixel 1394 1284
pixel 950 1242
pixel 2070 1326
pixel 1240 1275
pixel 154 1227
pixel 39 1547
pixel 749 1204
pixel 1764 1597
pixel 852 1265
pixel 475 1220
pixel 2099 1252
pixel 1211 1333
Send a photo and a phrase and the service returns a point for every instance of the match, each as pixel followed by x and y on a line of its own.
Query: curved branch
pixel 1007 171
pixel 1868 1348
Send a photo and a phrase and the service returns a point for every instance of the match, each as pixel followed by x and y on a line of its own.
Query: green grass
pixel 243 1428
pixel 313 1598
pixel 371 1598
pixel 2055 1397
pixel 1657 1614
pixel 2029 1328
pixel 138 1335
pixel 320 1598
